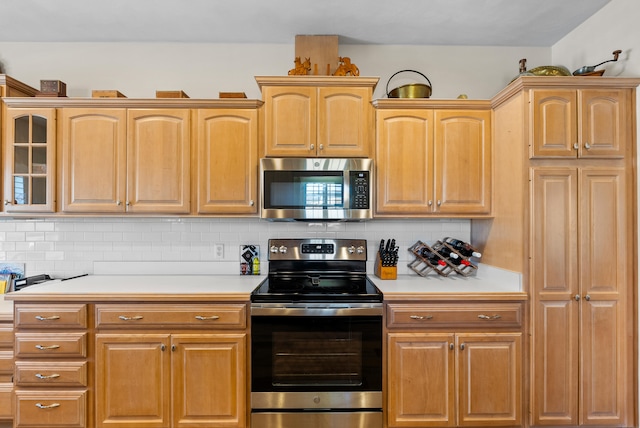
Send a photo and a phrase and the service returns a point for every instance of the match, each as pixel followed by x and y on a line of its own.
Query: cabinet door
pixel 158 161
pixel 30 161
pixel 209 380
pixel 554 281
pixel 133 380
pixel 227 148
pixel 605 273
pixel 462 161
pixel 93 156
pixel 604 128
pixel 404 159
pixel 421 391
pixel 490 379
pixel 554 123
pixel 290 121
pixel 345 118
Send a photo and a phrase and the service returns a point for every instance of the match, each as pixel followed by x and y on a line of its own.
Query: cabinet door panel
pixel 290 120
pixel 94 164
pixel 421 380
pixel 462 161
pixel 554 129
pixel 344 122
pixel 209 381
pixel 134 382
pixel 158 161
pixel 604 131
pixel 490 379
pixel 404 155
pixel 227 161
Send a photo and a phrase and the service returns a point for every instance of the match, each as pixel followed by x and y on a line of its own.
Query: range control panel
pixel 318 249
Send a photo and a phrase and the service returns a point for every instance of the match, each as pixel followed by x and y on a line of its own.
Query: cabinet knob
pixel 576 297
pixel 430 202
pixel 439 203
pixel 576 146
pixel 321 147
pixel 7 202
pixel 587 298
pixel 128 204
pixel 312 147
pixel 462 346
pixel 587 146
pixel 451 346
pixel 118 203
pixel 251 202
pixel 163 347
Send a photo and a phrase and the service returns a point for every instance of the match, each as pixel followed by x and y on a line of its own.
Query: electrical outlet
pixel 218 251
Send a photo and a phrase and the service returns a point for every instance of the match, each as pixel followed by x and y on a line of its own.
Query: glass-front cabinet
pixel 29 160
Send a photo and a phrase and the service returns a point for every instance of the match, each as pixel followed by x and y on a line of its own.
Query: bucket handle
pixel 402 71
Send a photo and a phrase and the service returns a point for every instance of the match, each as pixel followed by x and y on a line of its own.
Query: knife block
pixel 385 272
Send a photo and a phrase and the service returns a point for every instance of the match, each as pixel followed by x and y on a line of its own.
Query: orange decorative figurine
pixel 346 67
pixel 301 68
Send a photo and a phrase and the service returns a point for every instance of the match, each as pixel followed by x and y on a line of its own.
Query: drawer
pixel 6 362
pixel 162 316
pixel 6 336
pixel 51 373
pixel 50 409
pixel 476 315
pixel 6 401
pixel 63 316
pixel 52 345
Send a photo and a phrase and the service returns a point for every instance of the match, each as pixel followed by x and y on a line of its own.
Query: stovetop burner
pixel 317 270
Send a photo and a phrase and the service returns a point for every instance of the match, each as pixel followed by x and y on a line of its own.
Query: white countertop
pixel 486 282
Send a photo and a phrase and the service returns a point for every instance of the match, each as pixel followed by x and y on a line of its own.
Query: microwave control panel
pixel 359 190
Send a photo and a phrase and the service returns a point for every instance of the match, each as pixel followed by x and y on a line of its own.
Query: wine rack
pixel 423 265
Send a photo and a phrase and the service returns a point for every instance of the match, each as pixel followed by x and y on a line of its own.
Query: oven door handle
pixel 346 311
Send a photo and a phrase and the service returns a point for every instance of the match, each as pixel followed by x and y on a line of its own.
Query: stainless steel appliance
pixel 316 189
pixel 316 338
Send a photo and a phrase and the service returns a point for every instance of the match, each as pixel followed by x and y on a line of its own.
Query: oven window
pixel 311 353
pixel 303 189
pixel 318 358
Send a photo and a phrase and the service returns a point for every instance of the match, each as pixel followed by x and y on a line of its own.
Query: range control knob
pixel 273 249
pixel 351 249
pixel 360 250
pixel 283 249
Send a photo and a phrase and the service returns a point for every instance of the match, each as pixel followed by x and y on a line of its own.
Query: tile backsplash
pixel 64 247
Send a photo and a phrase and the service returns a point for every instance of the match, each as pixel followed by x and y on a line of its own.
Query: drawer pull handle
pixel 51 318
pixel 134 318
pixel 47 348
pixel 211 318
pixel 47 406
pixel 51 376
pixel 489 318
pixel 421 317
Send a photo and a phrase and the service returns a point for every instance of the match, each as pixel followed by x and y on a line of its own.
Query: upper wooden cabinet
pixel 227 160
pixel 583 123
pixel 30 160
pixel 125 160
pixel 324 116
pixel 432 160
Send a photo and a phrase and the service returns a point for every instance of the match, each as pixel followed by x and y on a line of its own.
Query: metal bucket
pixel 412 90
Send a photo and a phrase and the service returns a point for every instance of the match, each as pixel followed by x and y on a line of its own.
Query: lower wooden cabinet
pixel 446 377
pixel 6 371
pixel 170 380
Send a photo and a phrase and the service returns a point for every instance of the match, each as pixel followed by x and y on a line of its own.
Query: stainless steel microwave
pixel 322 189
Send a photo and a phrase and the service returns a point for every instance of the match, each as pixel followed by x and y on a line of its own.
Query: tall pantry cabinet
pixel 565 187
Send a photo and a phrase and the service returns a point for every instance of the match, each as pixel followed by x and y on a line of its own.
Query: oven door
pixel 329 360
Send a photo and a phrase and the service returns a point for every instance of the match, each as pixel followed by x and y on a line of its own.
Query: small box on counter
pixel 102 93
pixel 249 260
pixel 171 94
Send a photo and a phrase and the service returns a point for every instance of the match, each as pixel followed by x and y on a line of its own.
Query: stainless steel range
pixel 316 337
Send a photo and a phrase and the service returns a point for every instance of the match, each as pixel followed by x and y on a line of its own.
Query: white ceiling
pixel 404 22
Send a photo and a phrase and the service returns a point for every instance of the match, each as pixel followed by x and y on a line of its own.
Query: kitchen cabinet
pixel 432 160
pixel 29 160
pixel 321 116
pixel 51 352
pixel 227 160
pixel 583 123
pixel 117 160
pixel 454 364
pixel 580 275
pixel 566 217
pixel 6 370
pixel 171 365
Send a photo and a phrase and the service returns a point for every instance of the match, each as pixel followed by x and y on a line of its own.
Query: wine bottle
pixel 463 248
pixel 432 258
